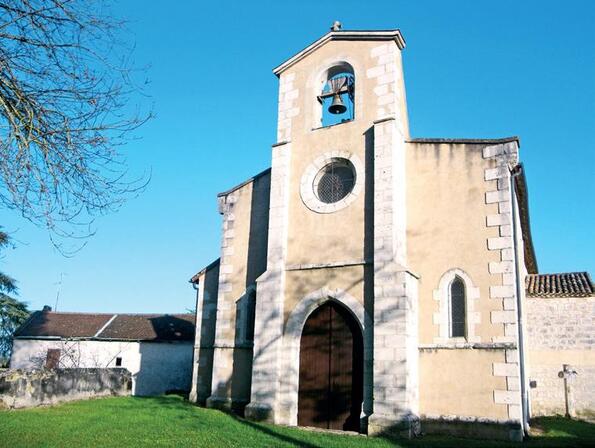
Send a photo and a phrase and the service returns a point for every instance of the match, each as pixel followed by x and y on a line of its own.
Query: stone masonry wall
pixel 268 327
pixel 505 157
pixel 29 388
pixel 561 331
pixel 561 323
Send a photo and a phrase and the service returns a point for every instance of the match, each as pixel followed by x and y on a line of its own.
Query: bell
pixel 337 106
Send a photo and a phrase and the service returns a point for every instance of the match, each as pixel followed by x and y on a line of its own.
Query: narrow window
pixel 250 316
pixel 457 309
pixel 337 98
pixel 118 362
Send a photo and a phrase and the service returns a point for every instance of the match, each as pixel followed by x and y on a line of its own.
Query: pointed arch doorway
pixel 331 370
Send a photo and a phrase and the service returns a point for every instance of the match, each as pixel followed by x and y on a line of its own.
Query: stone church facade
pixel 368 280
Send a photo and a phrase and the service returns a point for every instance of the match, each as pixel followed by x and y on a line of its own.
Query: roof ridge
pixel 111 314
pixel 75 312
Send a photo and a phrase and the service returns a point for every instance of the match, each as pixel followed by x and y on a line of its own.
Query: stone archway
pixel 330 392
pixel 287 402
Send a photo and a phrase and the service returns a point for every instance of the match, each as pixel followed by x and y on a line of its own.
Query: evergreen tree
pixel 12 312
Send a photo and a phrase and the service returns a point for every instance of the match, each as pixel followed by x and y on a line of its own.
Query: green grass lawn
pixel 172 422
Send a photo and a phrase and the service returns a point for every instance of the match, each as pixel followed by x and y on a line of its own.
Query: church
pixel 372 281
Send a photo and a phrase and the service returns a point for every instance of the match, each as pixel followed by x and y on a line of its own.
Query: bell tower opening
pixel 337 95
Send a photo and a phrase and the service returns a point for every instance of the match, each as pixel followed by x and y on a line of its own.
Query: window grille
pixel 457 309
pixel 335 182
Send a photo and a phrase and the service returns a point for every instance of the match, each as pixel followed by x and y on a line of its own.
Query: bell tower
pixel 337 225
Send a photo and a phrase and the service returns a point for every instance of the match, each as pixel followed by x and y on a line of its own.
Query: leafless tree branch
pixel 65 110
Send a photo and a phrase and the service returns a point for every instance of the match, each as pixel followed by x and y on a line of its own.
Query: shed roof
pixel 195 278
pixel 99 326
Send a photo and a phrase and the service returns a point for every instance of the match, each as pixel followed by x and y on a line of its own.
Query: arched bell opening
pixel 330 393
pixel 337 96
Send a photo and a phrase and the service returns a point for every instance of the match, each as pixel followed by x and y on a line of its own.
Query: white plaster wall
pixel 155 367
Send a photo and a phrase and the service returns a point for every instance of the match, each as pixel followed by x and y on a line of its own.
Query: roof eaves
pixel 24 324
pixel 52 338
pixel 468 141
pixel 558 295
pixel 380 35
pixel 522 194
pixel 156 340
pixel 196 276
pixel 246 182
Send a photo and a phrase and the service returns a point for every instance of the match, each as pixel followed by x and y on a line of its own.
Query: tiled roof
pixel 65 325
pixel 144 327
pixel 150 327
pixel 570 284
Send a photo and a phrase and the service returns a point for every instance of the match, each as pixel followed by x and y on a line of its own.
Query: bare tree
pixel 75 353
pixel 69 355
pixel 66 86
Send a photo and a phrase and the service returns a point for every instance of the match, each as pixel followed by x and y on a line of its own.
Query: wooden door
pixel 331 370
pixel 52 359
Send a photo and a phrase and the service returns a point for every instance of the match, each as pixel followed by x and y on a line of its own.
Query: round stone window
pixel 334 181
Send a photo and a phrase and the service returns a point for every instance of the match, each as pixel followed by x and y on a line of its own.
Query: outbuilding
pixel 155 348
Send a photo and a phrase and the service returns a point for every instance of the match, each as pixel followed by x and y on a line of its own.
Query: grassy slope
pixel 169 421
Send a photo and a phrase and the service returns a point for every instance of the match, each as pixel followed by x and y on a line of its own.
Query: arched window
pixel 457 309
pixel 457 317
pixel 337 97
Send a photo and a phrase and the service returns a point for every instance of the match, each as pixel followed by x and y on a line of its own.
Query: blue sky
pixel 472 69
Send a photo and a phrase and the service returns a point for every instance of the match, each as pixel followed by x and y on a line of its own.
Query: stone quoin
pixel 370 280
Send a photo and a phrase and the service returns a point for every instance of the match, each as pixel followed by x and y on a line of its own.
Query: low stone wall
pixel 561 331
pixel 29 388
pixel 548 395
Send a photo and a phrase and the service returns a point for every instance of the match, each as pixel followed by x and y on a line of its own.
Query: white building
pixel 155 348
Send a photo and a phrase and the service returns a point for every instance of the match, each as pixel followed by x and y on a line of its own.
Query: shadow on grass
pixel 547 431
pixel 273 433
pixel 176 407
pixel 178 403
pixel 552 431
